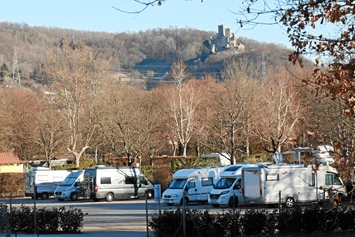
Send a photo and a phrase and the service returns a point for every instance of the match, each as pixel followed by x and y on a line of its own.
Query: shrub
pixel 253 222
pixel 71 220
pixel 47 220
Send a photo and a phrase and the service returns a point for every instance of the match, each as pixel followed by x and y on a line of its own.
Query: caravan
pixel 71 187
pixel 289 184
pixel 227 190
pixel 195 182
pixel 43 182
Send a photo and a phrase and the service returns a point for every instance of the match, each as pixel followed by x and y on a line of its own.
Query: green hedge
pixel 48 221
pixel 311 219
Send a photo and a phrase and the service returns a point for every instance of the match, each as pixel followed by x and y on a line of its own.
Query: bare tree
pixel 181 103
pixel 50 132
pixel 76 74
pixel 126 121
pixel 21 111
pixel 234 104
pixel 281 110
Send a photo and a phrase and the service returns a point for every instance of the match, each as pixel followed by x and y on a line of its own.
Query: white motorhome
pixel 112 183
pixel 289 184
pixel 223 158
pixel 319 153
pixel 196 182
pixel 71 187
pixel 227 190
pixel 43 182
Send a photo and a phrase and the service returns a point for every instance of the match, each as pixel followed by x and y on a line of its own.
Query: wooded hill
pixel 143 56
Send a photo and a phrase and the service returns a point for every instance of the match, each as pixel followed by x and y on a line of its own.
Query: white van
pixel 198 183
pixel 289 184
pixel 227 190
pixel 112 183
pixel 70 188
pixel 44 182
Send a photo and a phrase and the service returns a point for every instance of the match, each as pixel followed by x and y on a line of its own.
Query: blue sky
pixel 94 15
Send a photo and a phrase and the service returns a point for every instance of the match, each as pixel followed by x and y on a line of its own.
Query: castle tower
pixel 221 30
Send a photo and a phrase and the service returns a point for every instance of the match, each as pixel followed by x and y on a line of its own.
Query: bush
pixel 71 220
pixel 255 222
pixel 47 220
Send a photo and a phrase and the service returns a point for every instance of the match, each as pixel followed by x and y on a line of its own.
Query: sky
pixel 101 16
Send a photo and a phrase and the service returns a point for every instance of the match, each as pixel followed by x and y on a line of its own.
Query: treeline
pixel 82 111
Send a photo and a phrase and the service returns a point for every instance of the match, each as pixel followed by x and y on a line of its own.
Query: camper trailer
pixel 112 183
pixel 289 184
pixel 194 184
pixel 227 190
pixel 71 187
pixel 43 182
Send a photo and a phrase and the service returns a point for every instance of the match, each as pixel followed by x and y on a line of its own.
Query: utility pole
pixel 15 71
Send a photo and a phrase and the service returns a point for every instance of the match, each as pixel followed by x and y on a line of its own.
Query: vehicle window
pixel 332 179
pixel 313 183
pixel 233 168
pixel 105 180
pixel 237 184
pixel 191 184
pixel 207 181
pixel 224 183
pixel 130 180
pixel 177 184
pixel 337 180
pixel 68 181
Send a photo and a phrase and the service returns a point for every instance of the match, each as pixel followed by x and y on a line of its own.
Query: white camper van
pixel 44 182
pixel 197 182
pixel 70 187
pixel 289 184
pixel 112 183
pixel 227 190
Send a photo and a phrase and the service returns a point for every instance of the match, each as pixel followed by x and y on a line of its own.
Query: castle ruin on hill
pixel 224 39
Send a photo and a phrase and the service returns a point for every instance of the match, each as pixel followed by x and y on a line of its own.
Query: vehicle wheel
pixel 44 196
pixel 233 202
pixel 150 194
pixel 109 197
pixel 169 204
pixel 215 205
pixel 73 197
pixel 182 201
pixel 290 202
pixel 60 199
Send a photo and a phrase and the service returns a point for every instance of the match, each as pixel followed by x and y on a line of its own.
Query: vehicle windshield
pixel 68 181
pixel 224 183
pixel 177 184
pixel 332 179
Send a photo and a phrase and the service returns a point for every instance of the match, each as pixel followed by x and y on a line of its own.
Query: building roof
pixel 9 158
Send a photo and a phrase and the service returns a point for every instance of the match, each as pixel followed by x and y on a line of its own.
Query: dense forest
pixel 70 97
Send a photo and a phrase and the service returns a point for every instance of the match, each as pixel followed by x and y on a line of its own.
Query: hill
pixel 145 56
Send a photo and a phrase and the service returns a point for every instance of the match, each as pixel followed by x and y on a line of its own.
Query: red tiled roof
pixel 8 158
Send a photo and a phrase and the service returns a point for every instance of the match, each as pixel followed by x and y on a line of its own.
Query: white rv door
pixel 192 191
pixel 252 186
